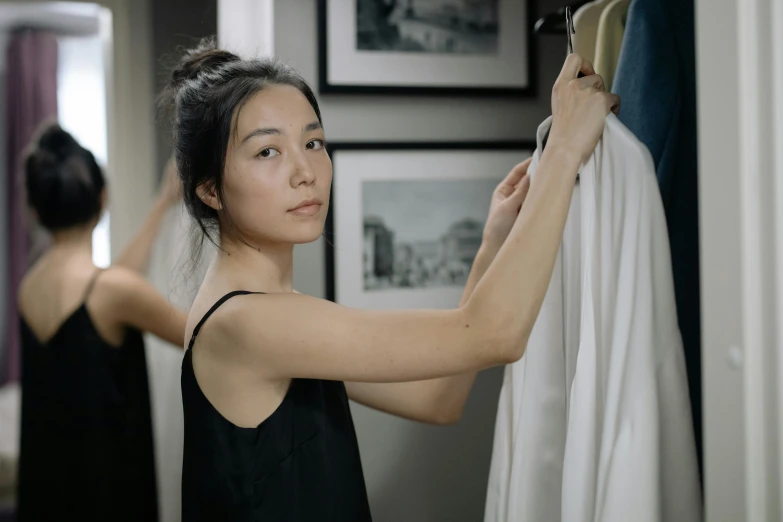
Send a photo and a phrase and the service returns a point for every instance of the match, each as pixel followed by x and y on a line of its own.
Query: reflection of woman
pixel 86 439
pixel 268 430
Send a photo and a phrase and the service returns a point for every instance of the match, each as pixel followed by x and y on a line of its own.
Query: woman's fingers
pixel 517 197
pixel 614 102
pixel 522 188
pixel 512 179
pixel 573 65
pixel 594 81
pixel 518 172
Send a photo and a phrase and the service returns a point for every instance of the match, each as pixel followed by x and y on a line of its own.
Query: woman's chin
pixel 306 233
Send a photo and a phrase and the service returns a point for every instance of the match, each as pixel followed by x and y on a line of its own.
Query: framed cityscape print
pixel 457 47
pixel 406 220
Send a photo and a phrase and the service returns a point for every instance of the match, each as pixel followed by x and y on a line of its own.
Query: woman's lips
pixel 307 210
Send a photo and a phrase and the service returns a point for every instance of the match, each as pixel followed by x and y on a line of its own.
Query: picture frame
pixel 438 47
pixel 406 219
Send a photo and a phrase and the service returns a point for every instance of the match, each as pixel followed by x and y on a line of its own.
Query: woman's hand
pixel 171 187
pixel 506 202
pixel 579 109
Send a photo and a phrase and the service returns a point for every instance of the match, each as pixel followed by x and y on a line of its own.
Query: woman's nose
pixel 303 173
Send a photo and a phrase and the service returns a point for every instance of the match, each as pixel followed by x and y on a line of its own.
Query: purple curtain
pixel 31 100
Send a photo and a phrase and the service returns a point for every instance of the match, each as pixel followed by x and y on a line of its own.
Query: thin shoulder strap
pixel 91 284
pixel 212 310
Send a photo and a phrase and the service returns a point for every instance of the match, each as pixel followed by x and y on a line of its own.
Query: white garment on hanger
pixel 585 35
pixel 609 41
pixel 594 421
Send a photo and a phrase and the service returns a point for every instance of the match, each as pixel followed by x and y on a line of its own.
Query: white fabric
pixel 594 422
pixel 10 406
pixel 169 273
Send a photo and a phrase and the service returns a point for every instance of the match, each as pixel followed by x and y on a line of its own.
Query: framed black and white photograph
pixel 406 220
pixel 469 47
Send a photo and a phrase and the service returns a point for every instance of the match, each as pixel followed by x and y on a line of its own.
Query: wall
pixel 176 24
pixel 416 472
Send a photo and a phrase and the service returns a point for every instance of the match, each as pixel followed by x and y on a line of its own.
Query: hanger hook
pixel 569 29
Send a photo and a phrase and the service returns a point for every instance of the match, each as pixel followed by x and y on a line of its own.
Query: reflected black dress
pixel 86 449
pixel 300 464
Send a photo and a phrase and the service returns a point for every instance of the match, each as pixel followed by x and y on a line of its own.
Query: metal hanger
pixel 570 45
pixel 569 26
pixel 569 29
pixel 552 23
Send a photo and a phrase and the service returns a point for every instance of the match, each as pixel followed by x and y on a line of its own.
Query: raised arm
pixel 136 255
pixel 288 335
pixel 129 299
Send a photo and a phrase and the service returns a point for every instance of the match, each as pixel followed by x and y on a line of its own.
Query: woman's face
pixel 278 175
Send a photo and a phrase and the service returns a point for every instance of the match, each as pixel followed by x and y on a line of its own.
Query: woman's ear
pixel 208 195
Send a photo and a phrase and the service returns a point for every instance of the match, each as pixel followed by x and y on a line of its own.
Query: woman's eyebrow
pixel 270 131
pixel 314 126
pixel 262 132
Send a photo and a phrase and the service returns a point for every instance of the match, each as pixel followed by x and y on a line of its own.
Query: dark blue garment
pixel 656 81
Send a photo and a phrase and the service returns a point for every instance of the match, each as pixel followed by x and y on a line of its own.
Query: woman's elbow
pixel 508 345
pixel 514 348
pixel 446 416
pixel 501 337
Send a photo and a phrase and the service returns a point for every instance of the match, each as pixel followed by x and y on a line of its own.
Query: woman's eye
pixel 268 153
pixel 315 145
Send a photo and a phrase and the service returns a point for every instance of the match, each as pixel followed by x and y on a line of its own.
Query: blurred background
pixel 97 67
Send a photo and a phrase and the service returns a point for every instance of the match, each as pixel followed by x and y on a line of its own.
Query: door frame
pixel 740 94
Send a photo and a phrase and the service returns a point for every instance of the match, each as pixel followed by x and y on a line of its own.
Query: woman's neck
pixel 73 242
pixel 268 268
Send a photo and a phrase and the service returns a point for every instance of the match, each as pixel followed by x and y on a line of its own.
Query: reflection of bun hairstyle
pixel 63 181
pixel 206 91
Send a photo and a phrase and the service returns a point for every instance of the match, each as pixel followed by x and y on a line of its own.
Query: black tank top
pixel 86 450
pixel 300 464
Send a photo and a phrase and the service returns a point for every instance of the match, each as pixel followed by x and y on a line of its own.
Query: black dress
pixel 86 450
pixel 300 464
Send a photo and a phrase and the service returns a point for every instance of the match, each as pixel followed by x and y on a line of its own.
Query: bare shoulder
pixel 274 305
pixel 121 282
pixel 235 313
pixel 29 283
pixel 119 288
pixel 25 287
pixel 126 297
pixel 250 319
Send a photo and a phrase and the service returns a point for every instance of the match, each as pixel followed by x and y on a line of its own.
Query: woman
pixel 86 437
pixel 268 431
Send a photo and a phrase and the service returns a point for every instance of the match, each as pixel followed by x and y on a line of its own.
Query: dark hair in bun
pixel 63 181
pixel 206 92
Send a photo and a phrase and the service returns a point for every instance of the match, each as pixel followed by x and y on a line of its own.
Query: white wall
pixel 416 472
pixel 81 110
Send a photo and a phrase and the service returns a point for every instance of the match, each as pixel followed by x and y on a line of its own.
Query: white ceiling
pixel 66 18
